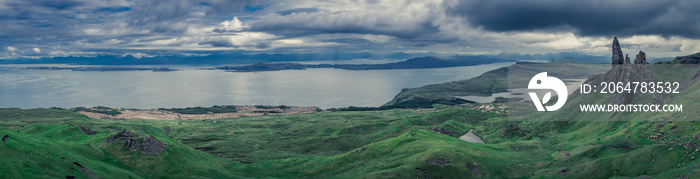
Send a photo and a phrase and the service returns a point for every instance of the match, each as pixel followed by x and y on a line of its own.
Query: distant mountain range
pixel 413 63
pixel 242 59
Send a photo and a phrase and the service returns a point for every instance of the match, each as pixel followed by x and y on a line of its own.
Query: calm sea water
pixel 325 88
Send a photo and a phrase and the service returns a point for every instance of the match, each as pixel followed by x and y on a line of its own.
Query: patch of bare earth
pixel 241 111
pixel 495 107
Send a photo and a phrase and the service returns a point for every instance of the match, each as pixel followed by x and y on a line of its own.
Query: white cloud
pixel 11 49
pixel 138 55
pixel 690 46
pixel 233 25
pixel 58 53
pixel 376 38
pixel 36 50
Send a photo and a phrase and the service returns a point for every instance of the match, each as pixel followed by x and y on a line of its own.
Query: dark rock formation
pixel 205 149
pixel 564 171
pixel 638 72
pixel 439 162
pixel 4 139
pixel 85 171
pixel 627 59
pixel 122 135
pixel 444 131
pixel 641 58
pixel 511 128
pixel 148 146
pixel 690 59
pixel 628 73
pixel 86 130
pixel 617 53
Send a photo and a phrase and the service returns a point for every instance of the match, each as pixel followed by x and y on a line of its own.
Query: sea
pixel 324 88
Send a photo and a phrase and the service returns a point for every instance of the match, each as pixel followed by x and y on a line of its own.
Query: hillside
pixel 689 59
pixel 494 81
pixel 398 143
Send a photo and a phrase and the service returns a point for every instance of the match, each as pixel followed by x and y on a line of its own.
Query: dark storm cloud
pixel 586 18
pixel 80 27
pixel 34 21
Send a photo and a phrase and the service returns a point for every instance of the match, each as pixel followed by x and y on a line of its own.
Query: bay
pixel 324 88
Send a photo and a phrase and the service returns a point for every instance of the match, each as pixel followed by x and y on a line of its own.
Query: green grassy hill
pixel 379 144
pixel 48 143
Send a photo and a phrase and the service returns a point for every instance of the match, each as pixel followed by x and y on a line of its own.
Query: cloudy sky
pixel 45 28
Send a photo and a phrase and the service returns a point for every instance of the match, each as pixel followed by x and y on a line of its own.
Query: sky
pixel 48 28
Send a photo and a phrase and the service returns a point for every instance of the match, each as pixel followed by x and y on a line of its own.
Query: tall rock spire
pixel 617 53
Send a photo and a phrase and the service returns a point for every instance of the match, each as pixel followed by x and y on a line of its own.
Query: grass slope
pixel 379 144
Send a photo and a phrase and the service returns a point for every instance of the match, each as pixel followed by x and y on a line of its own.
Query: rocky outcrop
pixel 627 59
pixel 617 53
pixel 440 162
pixel 86 130
pixel 147 146
pixel 690 59
pixel 4 138
pixel 85 171
pixel 641 58
pixel 510 128
pixel 444 131
pixel 640 71
pixel 121 135
pixel 205 149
